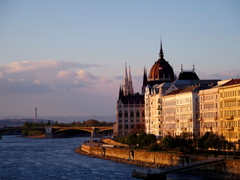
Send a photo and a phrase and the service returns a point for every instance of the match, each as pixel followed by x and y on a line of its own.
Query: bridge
pixel 50 130
pixel 146 173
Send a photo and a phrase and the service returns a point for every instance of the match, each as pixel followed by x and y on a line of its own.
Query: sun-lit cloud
pixel 47 76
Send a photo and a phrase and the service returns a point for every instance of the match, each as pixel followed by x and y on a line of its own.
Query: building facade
pixel 178 106
pixel 130 112
pixel 229 110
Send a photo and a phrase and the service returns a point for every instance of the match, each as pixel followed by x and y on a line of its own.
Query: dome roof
pixel 161 71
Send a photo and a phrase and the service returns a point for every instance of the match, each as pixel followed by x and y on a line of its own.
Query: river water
pixel 55 159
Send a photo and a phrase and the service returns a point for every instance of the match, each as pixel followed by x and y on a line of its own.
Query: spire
pixel 120 95
pixel 130 88
pixel 125 82
pixel 181 68
pixel 144 80
pixel 193 68
pixel 161 55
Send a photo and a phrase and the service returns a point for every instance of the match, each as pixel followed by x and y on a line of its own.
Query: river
pixel 55 159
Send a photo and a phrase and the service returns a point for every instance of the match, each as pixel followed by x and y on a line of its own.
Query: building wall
pixel 209 111
pixel 127 116
pixel 153 111
pixel 181 114
pixel 229 101
pixel 169 120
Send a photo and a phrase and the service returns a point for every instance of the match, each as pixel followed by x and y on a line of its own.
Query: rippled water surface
pixel 50 159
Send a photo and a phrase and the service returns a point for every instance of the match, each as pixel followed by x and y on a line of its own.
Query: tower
pixel 130 83
pixel 127 82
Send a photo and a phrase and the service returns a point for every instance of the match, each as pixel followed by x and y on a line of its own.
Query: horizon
pixel 68 58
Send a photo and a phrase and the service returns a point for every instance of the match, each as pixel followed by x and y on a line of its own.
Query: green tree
pixel 132 139
pixel 155 147
pixel 202 140
pixel 168 142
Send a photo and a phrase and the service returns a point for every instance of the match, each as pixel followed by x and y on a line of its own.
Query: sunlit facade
pixel 229 109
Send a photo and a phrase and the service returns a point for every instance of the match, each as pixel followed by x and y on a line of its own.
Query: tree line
pixel 183 144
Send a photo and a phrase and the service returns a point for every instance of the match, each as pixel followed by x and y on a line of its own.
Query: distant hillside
pixel 61 119
pixel 20 122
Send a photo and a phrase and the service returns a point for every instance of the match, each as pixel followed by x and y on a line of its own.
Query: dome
pixel 161 71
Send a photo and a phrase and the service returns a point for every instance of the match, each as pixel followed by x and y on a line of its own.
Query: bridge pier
pixel 94 132
pixel 48 132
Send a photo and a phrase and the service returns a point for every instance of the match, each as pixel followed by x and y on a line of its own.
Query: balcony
pixel 230 118
pixel 230 128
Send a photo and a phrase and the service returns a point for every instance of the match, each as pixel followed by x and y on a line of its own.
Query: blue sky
pixel 68 57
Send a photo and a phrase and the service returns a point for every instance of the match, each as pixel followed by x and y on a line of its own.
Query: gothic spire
pixel 125 82
pixel 130 83
pixel 120 95
pixel 161 55
pixel 144 80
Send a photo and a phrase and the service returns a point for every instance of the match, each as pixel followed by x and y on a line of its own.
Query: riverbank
pixel 230 170
pixel 120 160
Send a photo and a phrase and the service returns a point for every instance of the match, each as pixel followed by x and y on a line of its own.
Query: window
pixel 137 114
pixel 126 114
pixel 120 114
pixel 131 113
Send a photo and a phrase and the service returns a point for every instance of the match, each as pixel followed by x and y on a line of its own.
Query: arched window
pixel 143 113
pixel 132 114
pixel 137 114
pixel 120 114
pixel 125 114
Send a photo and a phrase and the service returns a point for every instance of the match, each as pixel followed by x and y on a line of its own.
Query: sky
pixel 67 57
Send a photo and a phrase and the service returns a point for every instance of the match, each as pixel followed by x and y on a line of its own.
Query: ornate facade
pixel 130 112
pixel 183 105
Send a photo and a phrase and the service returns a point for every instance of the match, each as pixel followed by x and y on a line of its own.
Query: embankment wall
pixel 123 153
pixel 231 166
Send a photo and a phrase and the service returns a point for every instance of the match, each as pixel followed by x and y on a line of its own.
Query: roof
pixel 232 82
pixel 132 99
pixel 188 75
pixel 161 71
pixel 195 88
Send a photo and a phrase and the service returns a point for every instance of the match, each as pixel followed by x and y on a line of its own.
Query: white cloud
pixel 48 74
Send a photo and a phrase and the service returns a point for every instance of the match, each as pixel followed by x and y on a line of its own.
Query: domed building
pixel 161 71
pixel 154 110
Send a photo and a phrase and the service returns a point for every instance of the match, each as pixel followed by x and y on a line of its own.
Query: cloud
pixel 20 86
pixel 119 77
pixel 229 74
pixel 37 77
pixel 45 64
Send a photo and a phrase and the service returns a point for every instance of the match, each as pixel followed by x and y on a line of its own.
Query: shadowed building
pixel 130 112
